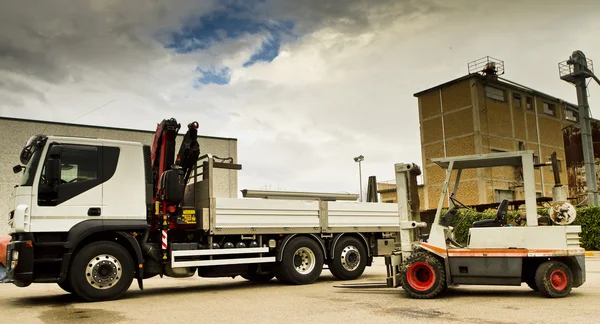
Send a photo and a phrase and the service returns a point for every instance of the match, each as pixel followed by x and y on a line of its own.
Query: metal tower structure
pixel 576 70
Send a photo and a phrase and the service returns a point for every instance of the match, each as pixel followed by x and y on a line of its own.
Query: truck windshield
pixel 30 156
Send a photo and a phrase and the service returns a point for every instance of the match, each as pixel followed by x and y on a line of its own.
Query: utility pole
pixel 576 70
pixel 359 159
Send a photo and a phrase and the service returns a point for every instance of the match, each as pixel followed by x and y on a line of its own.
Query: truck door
pixel 76 197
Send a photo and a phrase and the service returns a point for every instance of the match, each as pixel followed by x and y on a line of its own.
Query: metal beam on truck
pixel 268 194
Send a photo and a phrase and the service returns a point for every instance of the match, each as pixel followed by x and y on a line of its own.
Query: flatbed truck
pixel 92 215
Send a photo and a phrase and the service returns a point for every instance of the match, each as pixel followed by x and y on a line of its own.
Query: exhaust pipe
pixel 149 249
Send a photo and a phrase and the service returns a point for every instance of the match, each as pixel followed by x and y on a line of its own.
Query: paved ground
pixel 238 301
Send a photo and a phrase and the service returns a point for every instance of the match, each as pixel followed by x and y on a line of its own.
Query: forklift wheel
pixel 423 276
pixel 554 279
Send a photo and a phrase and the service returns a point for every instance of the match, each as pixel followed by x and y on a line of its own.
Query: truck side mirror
pixel 53 170
pixel 55 151
pixel 17 168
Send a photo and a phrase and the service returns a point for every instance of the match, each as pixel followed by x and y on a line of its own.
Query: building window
pixel 529 103
pixel 494 93
pixel 504 194
pixel 516 100
pixel 549 109
pixel 571 115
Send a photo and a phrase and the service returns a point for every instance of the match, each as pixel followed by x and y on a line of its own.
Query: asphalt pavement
pixel 227 300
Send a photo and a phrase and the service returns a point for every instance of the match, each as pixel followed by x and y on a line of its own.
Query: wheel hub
pixel 350 258
pixel 103 271
pixel 421 276
pixel 558 279
pixel 304 260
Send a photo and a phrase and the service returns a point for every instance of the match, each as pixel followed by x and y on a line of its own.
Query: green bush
pixel 587 217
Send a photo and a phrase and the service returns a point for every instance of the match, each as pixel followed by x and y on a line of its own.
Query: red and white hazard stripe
pixel 164 239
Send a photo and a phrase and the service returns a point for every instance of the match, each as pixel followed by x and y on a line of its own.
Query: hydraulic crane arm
pixel 188 151
pixel 163 150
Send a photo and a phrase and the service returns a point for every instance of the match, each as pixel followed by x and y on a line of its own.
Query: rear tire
pixel 423 276
pixel 554 279
pixel 302 262
pixel 349 259
pixel 101 271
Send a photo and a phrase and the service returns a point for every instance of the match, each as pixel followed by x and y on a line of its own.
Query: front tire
pixel 302 262
pixel 554 279
pixel 349 259
pixel 423 276
pixel 101 271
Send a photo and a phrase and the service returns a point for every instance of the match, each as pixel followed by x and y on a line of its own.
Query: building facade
pixel 14 133
pixel 479 114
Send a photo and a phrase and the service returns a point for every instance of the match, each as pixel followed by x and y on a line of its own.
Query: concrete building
pixel 482 113
pixel 14 133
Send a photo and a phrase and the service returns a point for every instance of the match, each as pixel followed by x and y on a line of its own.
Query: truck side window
pixel 80 172
pixel 79 163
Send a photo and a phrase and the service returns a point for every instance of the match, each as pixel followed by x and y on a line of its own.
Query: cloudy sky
pixel 304 86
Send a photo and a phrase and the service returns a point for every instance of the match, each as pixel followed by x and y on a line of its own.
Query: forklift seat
pixel 500 219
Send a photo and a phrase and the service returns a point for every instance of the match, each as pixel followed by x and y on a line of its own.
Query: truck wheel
pixel 349 259
pixel 554 279
pixel 423 276
pixel 302 262
pixel 101 271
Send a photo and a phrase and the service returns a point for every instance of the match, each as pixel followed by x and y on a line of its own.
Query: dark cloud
pixel 347 16
pixel 58 41
pixel 35 64
pixel 306 85
pixel 18 88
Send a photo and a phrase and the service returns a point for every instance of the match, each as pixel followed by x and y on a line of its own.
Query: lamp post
pixel 359 159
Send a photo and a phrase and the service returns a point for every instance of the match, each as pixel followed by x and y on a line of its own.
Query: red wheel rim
pixel 558 279
pixel 421 276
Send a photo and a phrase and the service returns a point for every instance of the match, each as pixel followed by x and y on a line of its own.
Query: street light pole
pixel 359 159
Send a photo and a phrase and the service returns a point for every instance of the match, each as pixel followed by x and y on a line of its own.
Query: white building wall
pixel 14 133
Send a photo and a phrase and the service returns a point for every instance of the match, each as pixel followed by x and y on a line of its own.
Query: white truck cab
pixel 67 181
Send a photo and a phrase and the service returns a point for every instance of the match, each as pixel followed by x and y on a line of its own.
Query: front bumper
pixel 20 269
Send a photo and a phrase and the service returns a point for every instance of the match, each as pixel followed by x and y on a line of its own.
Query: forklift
pixel 547 257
